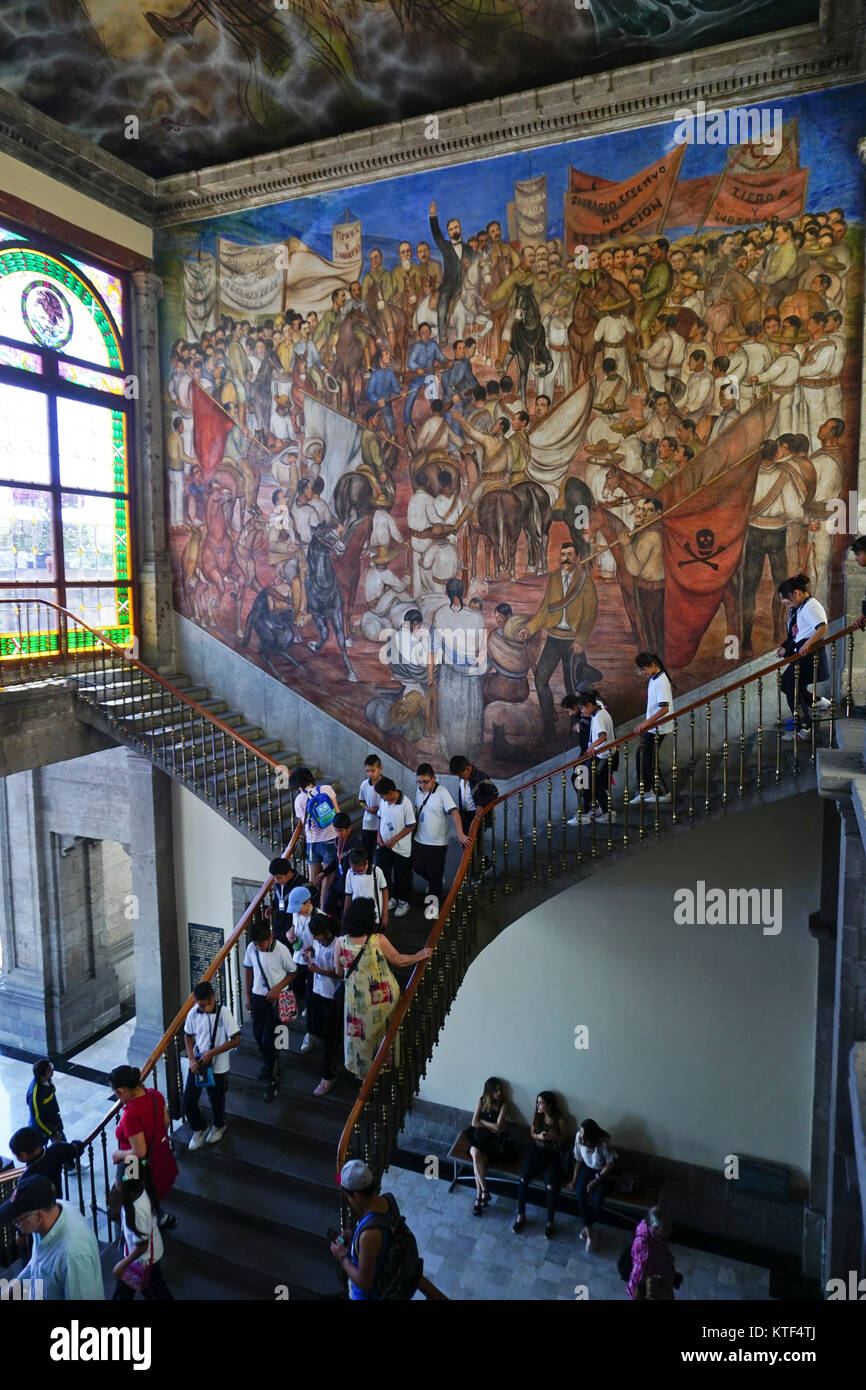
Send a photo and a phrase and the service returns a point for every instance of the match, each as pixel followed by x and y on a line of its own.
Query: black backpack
pixel 402 1266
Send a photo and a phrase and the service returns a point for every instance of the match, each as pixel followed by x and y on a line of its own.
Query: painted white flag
pixel 251 279
pixel 311 279
pixel 200 296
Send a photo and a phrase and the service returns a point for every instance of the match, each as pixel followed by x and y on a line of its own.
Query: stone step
pixel 272 1201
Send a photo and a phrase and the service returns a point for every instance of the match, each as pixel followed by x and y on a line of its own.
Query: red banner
pixel 690 201
pixel 579 182
pixel 744 198
pixel 638 204
pixel 210 426
pixel 706 512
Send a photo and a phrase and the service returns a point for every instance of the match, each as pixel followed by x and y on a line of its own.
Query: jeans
pixel 540 1161
pixel 397 869
pixel 264 1025
pixel 156 1290
pixel 590 1204
pixel 216 1095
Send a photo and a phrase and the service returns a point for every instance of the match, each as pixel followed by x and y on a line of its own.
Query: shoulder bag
pixel 287 1004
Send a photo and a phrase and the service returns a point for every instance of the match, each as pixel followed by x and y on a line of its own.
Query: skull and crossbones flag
pixel 706 512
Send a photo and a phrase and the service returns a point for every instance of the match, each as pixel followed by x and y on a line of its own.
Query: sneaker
pixel 803 735
pixel 271 1092
pixel 214 1134
pixel 309 1042
pixel 573 821
pixel 323 1088
pixel 664 800
pixel 197 1140
pixel 820 704
pixel 401 908
pixel 581 1235
pixel 636 800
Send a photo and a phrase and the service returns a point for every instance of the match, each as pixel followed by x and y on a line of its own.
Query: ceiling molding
pixel 832 53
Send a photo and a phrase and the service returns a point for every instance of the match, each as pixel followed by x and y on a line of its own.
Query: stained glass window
pixel 64 450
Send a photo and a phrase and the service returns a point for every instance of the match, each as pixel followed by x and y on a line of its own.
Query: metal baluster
pixel 520 835
pixel 563 854
pixel 94 1210
pixel 797 716
pixel 657 788
pixel 741 786
pixel 691 766
pixel 675 778
pixel 249 818
pixel 550 827
pixel 625 807
pixel 534 833
pixel 224 764
pixel 506 882
pixel 814 730
pixel 708 757
pixel 104 1140
pixel 593 799
pixel 832 694
pixel 237 790
pixel 849 688
pixel 778 727
pixel 760 739
pixel 725 750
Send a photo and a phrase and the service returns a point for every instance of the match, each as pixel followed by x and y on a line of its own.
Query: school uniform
pixel 598 769
pixel 324 1008
pixel 659 692
pixel 269 968
pixel 373 885
pixel 477 791
pixel 396 863
pixel 803 623
pixel 335 898
pixel 430 843
pixel 370 824
pixel 209 1030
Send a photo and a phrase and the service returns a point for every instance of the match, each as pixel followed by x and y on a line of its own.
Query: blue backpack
pixel 320 809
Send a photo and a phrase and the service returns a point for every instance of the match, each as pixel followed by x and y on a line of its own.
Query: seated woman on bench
pixel 487 1138
pixel 594 1158
pixel 544 1158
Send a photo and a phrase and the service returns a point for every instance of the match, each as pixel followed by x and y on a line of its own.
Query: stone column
pixel 157 956
pixel 155 617
pixel 29 987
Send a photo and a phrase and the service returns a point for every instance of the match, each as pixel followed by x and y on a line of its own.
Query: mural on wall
pixel 174 85
pixel 442 447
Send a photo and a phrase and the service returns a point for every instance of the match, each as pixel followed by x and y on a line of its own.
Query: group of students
pixel 586 1168
pixel 592 723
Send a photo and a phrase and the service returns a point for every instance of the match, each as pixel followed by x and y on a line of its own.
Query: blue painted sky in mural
pixel 830 123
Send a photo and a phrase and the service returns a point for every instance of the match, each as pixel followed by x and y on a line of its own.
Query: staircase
pixel 254 1209
pixel 233 765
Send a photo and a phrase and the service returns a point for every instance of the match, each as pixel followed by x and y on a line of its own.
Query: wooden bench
pixel 634 1204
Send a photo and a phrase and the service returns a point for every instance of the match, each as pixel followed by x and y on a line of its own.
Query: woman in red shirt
pixel 143 1130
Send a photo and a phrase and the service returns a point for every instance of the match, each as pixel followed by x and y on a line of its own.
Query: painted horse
pixel 324 599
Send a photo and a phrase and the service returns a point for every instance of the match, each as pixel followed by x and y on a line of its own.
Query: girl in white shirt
pixel 654 727
pixel 807 626
pixel 142 1242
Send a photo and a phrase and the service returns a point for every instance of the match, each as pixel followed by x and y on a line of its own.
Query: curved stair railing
pixel 725 747
pixel 43 642
pixel 731 746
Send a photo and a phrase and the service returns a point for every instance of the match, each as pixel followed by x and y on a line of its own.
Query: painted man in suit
pixel 456 255
pixel 567 615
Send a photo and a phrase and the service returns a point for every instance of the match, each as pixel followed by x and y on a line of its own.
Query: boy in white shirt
pixel 268 970
pixel 434 804
pixel 807 626
pixel 396 823
pixel 320 963
pixel 369 799
pixel 598 771
pixel 362 881
pixel 210 1033
pixel 299 939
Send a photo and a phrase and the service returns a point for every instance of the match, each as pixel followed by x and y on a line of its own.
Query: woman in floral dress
pixel 371 989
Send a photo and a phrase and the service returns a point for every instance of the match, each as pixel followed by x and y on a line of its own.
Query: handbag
pixel 137 1275
pixel 340 991
pixel 206 1078
pixel 287 1004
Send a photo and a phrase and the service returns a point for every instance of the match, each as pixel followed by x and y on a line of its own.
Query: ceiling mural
pixel 190 83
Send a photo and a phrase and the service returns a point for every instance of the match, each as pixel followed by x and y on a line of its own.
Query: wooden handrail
pixel 408 994
pixel 153 675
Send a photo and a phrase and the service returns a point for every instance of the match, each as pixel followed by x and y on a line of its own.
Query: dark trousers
pixel 302 987
pixel 648 760
pixel 369 841
pixel 590 1205
pixel 548 1163
pixel 758 544
pixel 428 862
pixel 598 773
pixel 554 653
pixel 789 682
pixel 651 607
pixel 216 1095
pixel 264 1026
pixel 324 1018
pixel 156 1291
pixel 397 869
